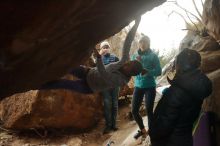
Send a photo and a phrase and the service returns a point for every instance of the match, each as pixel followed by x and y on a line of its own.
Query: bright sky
pixel 164 30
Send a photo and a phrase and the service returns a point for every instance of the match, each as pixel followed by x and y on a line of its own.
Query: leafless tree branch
pixel 188 29
pixel 179 15
pixel 195 6
pixel 197 29
pixel 202 3
pixel 184 9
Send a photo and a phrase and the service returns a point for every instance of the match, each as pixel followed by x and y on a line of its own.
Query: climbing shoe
pixel 114 128
pixel 138 134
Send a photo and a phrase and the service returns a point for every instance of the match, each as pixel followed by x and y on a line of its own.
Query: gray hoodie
pixel 108 76
pixel 105 77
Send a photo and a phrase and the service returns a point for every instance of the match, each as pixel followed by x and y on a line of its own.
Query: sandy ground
pixel 94 137
pixel 124 137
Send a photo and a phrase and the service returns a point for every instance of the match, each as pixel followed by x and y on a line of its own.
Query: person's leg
pixel 76 85
pixel 107 110
pixel 80 72
pixel 114 95
pixel 149 103
pixel 136 103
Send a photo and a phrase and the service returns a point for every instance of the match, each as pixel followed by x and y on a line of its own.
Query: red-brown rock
pixel 125 91
pixel 213 102
pixel 51 109
pixel 210 61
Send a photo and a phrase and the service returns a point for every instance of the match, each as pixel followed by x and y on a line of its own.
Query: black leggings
pixel 79 85
pixel 137 99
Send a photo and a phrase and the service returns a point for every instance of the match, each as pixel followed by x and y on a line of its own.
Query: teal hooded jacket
pixel 151 63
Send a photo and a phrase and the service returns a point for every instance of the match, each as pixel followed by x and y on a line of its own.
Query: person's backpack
pixel 204 130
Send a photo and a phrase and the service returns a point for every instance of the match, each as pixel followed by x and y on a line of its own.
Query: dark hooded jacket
pixel 178 109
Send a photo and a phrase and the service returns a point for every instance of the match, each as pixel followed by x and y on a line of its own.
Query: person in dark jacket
pixel 110 96
pixel 181 103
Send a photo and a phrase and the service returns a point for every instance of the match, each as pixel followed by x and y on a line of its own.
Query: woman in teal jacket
pixel 145 83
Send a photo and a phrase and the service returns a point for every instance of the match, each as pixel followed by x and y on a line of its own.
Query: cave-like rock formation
pixel 41 40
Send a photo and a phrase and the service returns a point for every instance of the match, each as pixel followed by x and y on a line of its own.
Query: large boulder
pixel 41 40
pixel 206 44
pixel 213 102
pixel 210 51
pixel 51 109
pixel 210 61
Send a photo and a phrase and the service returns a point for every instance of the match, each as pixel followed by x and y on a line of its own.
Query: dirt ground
pixel 92 137
pixel 67 137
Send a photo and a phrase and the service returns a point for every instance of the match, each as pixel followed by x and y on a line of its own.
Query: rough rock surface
pixel 210 61
pixel 211 53
pixel 41 40
pixel 51 109
pixel 211 17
